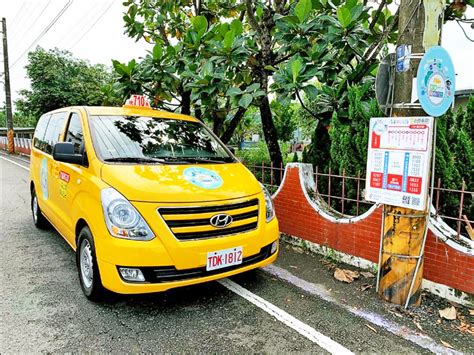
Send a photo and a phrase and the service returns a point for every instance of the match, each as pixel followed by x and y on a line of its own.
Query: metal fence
pixel 345 194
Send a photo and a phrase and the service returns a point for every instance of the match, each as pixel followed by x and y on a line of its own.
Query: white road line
pixel 14 162
pixel 287 319
pixel 320 291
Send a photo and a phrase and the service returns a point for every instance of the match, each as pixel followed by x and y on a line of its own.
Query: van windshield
pixel 138 139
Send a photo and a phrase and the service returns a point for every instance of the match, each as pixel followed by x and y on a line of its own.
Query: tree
pixel 58 80
pixel 19 119
pixel 218 58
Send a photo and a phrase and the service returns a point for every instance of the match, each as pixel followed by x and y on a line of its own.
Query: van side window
pixel 54 130
pixel 74 133
pixel 38 141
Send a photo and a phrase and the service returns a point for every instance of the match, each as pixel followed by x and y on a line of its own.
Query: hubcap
pixel 35 208
pixel 87 272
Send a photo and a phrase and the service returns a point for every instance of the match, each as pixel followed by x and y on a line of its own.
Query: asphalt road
pixel 42 308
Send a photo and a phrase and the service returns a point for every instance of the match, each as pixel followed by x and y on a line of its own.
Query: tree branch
pixel 377 15
pixel 234 122
pixel 252 20
pixel 304 106
pixel 369 56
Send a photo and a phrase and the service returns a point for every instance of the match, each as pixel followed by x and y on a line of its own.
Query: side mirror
pixel 64 152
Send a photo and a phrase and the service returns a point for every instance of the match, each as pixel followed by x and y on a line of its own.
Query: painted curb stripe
pixel 287 319
pixel 320 291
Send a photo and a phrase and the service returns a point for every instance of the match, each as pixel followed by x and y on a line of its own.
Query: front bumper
pixel 161 278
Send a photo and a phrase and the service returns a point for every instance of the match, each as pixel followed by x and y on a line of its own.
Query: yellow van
pixel 149 200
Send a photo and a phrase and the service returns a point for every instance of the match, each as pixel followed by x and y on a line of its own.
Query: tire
pixel 39 220
pixel 87 267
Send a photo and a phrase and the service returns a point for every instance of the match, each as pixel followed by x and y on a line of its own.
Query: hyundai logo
pixel 221 220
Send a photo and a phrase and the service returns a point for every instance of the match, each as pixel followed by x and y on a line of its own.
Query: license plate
pixel 224 258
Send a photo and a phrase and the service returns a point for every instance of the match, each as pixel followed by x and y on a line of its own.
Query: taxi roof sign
pixel 137 101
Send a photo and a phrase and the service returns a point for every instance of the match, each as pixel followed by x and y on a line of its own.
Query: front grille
pixel 170 273
pixel 191 223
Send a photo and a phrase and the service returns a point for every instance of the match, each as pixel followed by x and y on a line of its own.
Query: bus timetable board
pixel 398 161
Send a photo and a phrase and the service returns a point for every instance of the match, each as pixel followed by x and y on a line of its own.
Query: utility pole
pixel 8 98
pixel 404 229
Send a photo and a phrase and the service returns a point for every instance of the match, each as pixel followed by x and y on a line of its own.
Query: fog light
pixel 130 274
pixel 274 247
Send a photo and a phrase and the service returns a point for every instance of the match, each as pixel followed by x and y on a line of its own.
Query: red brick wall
pixel 297 217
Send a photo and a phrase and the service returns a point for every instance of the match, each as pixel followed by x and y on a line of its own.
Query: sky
pixel 93 30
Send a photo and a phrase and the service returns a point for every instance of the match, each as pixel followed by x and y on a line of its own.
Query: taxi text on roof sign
pixel 138 101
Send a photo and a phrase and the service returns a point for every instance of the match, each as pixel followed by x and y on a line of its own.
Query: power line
pixel 18 25
pixel 19 14
pixel 76 29
pixel 93 24
pixel 33 22
pixel 51 24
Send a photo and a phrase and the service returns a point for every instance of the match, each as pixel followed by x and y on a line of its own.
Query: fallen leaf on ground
pixel 448 313
pixel 367 274
pixel 396 314
pixel 446 344
pixel 298 250
pixel 418 326
pixel 371 328
pixel 365 287
pixel 471 312
pixel 345 275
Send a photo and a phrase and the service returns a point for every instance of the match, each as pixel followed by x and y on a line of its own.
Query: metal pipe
pixel 425 232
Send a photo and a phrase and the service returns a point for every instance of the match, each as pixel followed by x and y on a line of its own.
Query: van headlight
pixel 269 206
pixel 121 218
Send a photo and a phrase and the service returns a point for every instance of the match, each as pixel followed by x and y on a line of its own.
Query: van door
pixel 49 167
pixel 70 179
pixel 39 164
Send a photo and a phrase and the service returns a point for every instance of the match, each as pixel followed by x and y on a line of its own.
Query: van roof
pixel 130 111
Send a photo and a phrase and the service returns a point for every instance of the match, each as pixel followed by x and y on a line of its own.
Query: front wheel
pixel 88 269
pixel 39 220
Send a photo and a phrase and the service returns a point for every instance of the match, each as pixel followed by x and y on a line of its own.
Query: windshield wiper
pixel 213 160
pixel 136 160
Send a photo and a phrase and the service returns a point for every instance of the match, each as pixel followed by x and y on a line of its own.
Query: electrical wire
pixel 77 28
pixel 33 22
pixel 18 16
pixel 93 24
pixel 44 32
pixel 464 31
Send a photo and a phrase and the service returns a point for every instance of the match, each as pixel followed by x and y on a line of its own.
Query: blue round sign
pixel 205 178
pixel 435 82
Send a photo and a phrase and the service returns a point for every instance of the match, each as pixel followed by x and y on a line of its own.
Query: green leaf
pixel 236 25
pixel 157 52
pixel 344 16
pixel 199 23
pixel 208 68
pixel 245 100
pixel 228 39
pixel 350 3
pixel 253 87
pixel 317 83
pixel 302 9
pixel 270 67
pixel 258 93
pixel 233 91
pixel 310 91
pixel 131 65
pixel 170 51
pixel 295 67
pixel 356 11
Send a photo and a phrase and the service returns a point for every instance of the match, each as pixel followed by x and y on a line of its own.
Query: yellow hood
pixel 181 183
